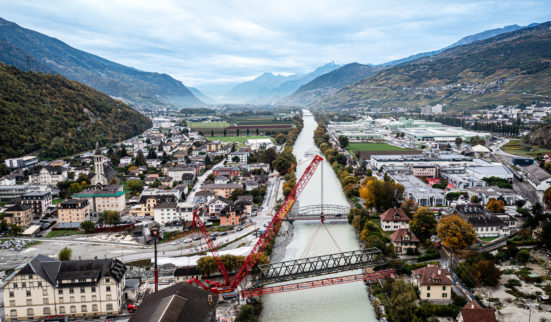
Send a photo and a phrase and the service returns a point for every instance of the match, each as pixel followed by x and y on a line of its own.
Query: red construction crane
pixel 262 242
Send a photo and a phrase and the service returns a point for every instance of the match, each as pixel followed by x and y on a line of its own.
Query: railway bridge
pixel 313 212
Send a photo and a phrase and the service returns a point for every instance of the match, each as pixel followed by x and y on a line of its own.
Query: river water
pixel 347 302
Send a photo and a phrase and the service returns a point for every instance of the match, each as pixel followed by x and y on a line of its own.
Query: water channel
pixel 347 302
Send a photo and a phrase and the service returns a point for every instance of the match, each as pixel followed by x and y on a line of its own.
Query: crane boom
pixel 212 248
pixel 271 231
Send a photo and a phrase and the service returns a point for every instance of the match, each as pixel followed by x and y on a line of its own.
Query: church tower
pixel 99 175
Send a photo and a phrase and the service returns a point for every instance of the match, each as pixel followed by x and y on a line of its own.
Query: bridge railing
pixel 316 210
pixel 318 265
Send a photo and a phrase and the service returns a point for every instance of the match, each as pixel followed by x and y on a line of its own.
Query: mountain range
pixel 269 88
pixel 510 68
pixel 56 117
pixel 30 50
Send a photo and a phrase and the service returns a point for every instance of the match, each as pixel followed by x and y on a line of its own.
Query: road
pixel 200 181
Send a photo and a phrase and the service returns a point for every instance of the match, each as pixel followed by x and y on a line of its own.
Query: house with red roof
pixel 434 283
pixel 394 219
pixel 402 240
pixel 472 312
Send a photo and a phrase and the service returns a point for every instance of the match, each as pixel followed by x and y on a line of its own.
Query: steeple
pixel 98 151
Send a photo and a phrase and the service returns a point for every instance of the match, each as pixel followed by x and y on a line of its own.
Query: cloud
pixel 208 42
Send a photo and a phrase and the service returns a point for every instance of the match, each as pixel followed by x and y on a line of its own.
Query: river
pixel 347 302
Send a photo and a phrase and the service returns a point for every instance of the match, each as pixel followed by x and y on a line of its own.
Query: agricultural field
pixel 373 147
pixel 237 139
pixel 516 147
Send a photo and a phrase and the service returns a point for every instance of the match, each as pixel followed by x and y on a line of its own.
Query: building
pixel 485 223
pixel 402 240
pixel 38 200
pixel 434 283
pixel 484 194
pixel 173 212
pixel 47 175
pixel 103 171
pixel 378 161
pixel 394 219
pixel 229 172
pixel 479 151
pixel 72 212
pixel 224 190
pixel 539 178
pixel 259 144
pixel 242 156
pixel 472 312
pixel 20 215
pixel 148 203
pixel 111 197
pixel 491 170
pixel 522 161
pixel 422 193
pixel 21 163
pixel 75 288
pixel 176 303
pixel 232 216
pixel 217 204
pixel 178 171
pixel 9 192
pixel 424 170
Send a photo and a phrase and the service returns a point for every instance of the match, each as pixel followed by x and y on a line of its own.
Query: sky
pixel 209 44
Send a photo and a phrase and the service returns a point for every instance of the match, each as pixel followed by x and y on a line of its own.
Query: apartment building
pixel 75 288
pixel 434 283
pixel 72 212
pixel 223 190
pixel 38 200
pixel 20 215
pixel 394 219
pixel 169 212
pixel 47 175
pixel 148 203
pixel 111 197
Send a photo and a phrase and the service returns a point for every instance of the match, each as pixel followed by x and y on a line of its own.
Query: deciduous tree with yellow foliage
pixel 495 205
pixel 381 195
pixel 455 232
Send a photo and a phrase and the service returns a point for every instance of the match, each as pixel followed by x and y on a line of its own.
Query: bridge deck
pixel 318 265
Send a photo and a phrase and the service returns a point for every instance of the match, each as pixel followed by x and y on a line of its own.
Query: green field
pixel 518 148
pixel 208 125
pixel 62 232
pixel 373 147
pixel 238 139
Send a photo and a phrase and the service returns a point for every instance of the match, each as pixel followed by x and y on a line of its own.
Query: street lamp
pixel 154 229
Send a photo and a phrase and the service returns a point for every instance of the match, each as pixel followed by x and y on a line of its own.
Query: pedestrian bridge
pixel 313 212
pixel 318 265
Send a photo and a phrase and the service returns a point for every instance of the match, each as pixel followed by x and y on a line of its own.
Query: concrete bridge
pixel 313 212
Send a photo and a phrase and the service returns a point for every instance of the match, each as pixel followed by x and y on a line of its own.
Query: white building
pixel 243 157
pixel 74 288
pixel 169 212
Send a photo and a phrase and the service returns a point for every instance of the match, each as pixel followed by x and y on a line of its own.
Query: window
pixel 60 300
pixel 71 291
pixel 13 313
pixel 14 285
pixel 39 284
pixel 45 292
pixel 444 288
pixel 23 284
pixel 93 289
pixel 94 298
pixel 28 293
pixel 11 294
pixel 109 307
pixel 59 291
pixel 45 300
pixel 108 297
pixel 428 295
pixel 83 298
pixel 83 308
pixel 12 303
pixel 82 290
pixel 108 288
pixel 107 280
pixel 72 298
pixel 47 311
pixel 73 309
pixel 94 307
pixel 30 312
pixel 30 277
pixel 444 294
pixel 428 288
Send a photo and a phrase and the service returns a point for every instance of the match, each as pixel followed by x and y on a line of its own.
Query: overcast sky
pixel 203 42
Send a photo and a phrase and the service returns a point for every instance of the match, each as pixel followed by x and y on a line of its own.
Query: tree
pixel 475 199
pixel 496 206
pixel 151 154
pixel 140 159
pixel 523 255
pixel 545 235
pixel 268 156
pixel 111 217
pixel 458 141
pixel 280 138
pixel 423 224
pixel 409 206
pixel 257 131
pixel 225 132
pixel 65 254
pixel 237 132
pixel 235 159
pixel 343 141
pixel 380 194
pixel 455 233
pixel 248 132
pixel 135 187
pixel 88 226
pixel 547 197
